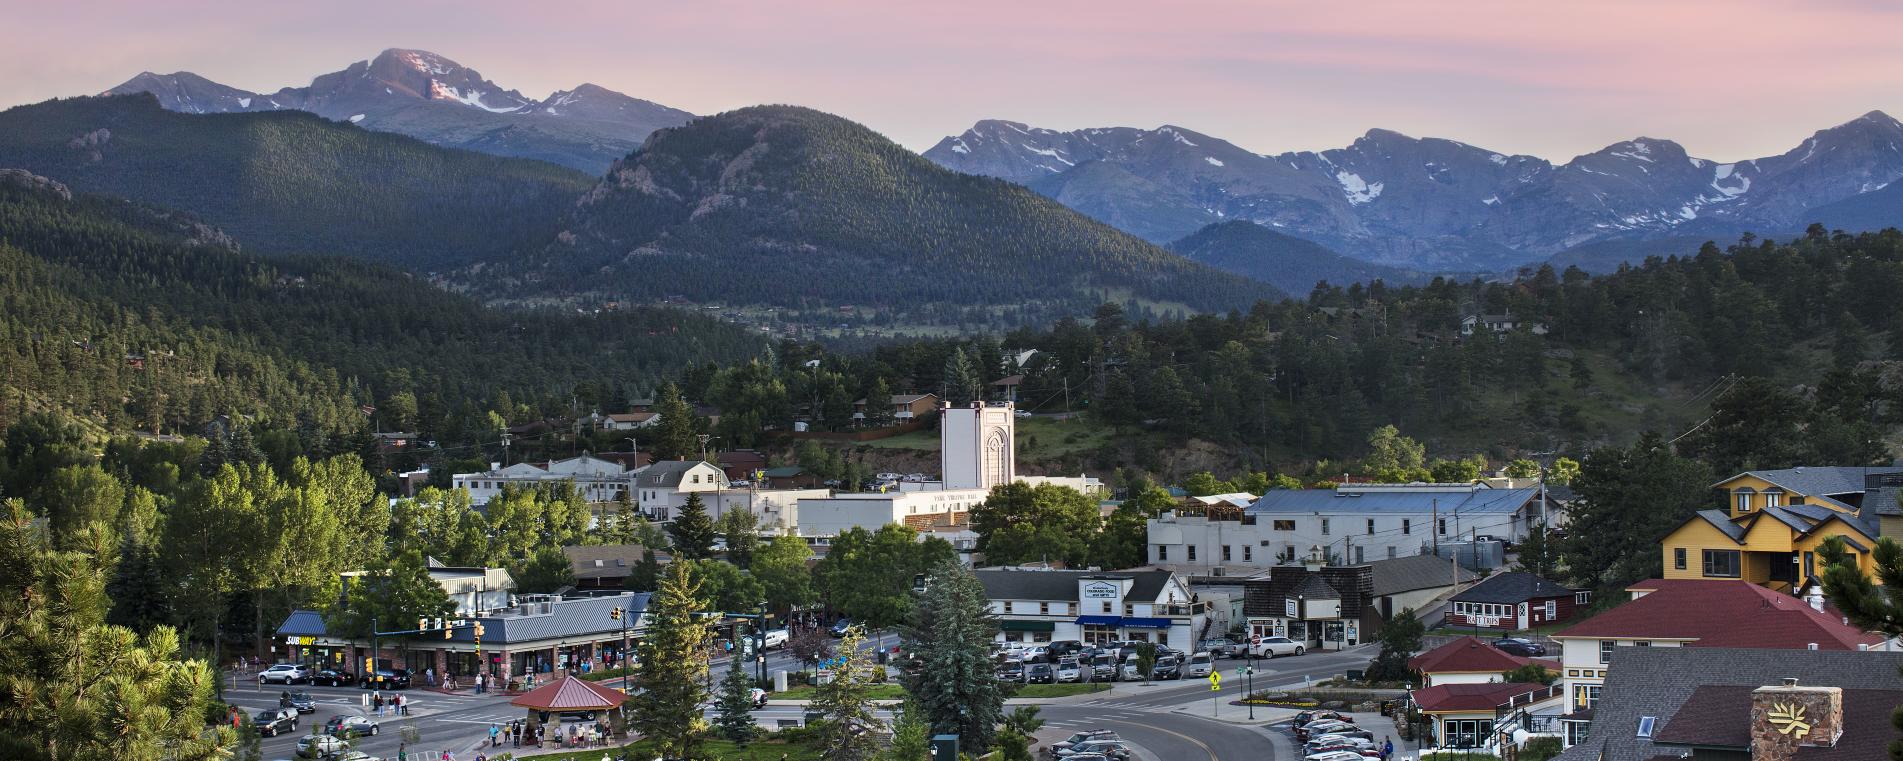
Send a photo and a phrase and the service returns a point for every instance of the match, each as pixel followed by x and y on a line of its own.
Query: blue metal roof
pixel 1450 501
pixel 575 617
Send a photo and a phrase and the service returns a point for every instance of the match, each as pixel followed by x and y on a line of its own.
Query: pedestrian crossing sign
pixel 1215 681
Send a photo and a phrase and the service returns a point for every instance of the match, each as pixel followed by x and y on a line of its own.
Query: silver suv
pixel 284 673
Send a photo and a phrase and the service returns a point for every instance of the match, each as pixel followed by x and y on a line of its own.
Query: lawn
pixel 1059 690
pixel 761 750
pixel 888 691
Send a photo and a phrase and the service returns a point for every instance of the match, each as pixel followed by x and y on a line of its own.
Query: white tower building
pixel 976 447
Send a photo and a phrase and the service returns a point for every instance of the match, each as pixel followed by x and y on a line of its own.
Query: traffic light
pixel 422 623
pixel 615 613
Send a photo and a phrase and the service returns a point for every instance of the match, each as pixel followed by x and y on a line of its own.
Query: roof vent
pixel 1812 646
pixel 1791 681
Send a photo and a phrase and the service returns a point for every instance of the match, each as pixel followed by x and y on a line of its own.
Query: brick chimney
pixel 1786 717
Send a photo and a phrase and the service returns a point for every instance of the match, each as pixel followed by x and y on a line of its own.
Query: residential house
pixel 605 566
pixel 1514 600
pixel 1094 607
pixel 741 464
pixel 790 477
pixel 1351 523
pixel 1469 660
pixel 627 421
pixel 662 488
pixel 1710 704
pixel 1694 613
pixel 1006 388
pixel 597 479
pixel 1775 521
pixel 1497 324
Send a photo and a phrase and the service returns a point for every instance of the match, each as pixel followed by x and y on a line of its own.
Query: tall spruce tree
pixel 960 381
pixel 950 632
pixel 845 704
pixel 1874 608
pixel 692 531
pixel 674 433
pixel 673 669
pixel 736 703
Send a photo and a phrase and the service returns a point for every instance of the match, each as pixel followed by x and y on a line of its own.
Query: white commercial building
pixel 598 480
pixel 1351 523
pixel 835 515
pixel 1092 606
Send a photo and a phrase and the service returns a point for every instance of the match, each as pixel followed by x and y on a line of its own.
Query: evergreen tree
pixel 961 384
pixel 1014 743
pixel 911 736
pixel 692 531
pixel 951 632
pixel 645 576
pixel 846 731
pixel 736 703
pixel 742 531
pixel 1537 554
pixel 673 668
pixel 1629 498
pixel 878 403
pixel 674 435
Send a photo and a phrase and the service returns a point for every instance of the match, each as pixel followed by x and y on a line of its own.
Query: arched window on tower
pixel 997 461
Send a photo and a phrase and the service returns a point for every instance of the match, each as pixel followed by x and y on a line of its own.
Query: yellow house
pixel 1775 520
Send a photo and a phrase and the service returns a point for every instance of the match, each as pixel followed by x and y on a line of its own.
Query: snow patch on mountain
pixel 1213 161
pixel 244 102
pixel 1359 191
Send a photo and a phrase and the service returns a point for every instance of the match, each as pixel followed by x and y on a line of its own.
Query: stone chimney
pixel 1787 717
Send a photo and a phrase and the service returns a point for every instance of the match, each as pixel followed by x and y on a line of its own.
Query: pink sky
pixel 1730 79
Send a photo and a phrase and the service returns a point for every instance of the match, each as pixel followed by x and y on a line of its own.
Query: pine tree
pixel 736 703
pixel 961 382
pixel 692 531
pixel 646 574
pixel 674 434
pixel 1872 607
pixel 742 531
pixel 673 669
pixel 911 735
pixel 950 634
pixel 845 704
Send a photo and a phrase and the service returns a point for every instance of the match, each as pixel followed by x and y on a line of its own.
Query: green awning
pixel 1027 626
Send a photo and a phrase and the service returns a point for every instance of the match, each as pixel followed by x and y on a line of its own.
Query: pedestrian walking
pixel 376 703
pixel 494 732
pixel 1387 748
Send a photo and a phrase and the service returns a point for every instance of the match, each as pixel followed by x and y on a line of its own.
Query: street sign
pixel 1255 640
pixel 1239 671
pixel 1215 681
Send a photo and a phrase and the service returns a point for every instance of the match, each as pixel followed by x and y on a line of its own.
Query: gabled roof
pixel 1470 697
pixel 1513 587
pixel 595 561
pixel 1659 681
pixel 668 473
pixel 1715 613
pixel 1817 481
pixel 1719 716
pixel 1720 520
pixel 1392 577
pixel 1314 587
pixel 1468 654
pixel 570 693
pixel 1448 499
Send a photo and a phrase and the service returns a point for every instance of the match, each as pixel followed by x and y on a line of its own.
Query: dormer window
pixel 1741 499
pixel 1773 498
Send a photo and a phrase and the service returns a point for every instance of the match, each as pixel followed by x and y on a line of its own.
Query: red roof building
pixel 1469 660
pixel 570 694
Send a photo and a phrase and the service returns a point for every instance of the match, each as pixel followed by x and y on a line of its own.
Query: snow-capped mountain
pixel 428 96
pixel 1430 203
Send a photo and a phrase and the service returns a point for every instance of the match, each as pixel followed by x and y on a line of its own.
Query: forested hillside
pixel 295 183
pixel 1764 354
pixel 138 318
pixel 788 206
pixel 1292 264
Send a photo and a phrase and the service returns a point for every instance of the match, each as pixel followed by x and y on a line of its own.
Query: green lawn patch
pixel 1059 690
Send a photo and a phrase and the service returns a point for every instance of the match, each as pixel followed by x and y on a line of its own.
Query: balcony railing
pixel 1521 701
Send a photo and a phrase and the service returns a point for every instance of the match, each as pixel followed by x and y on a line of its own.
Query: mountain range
pixel 428 96
pixel 1435 204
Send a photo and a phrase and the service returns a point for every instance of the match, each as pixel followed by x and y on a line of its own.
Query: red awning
pixel 570 694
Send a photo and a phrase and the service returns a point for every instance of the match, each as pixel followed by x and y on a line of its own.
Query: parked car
pixel 388 679
pixel 1168 667
pixel 776 638
pixel 1084 736
pixel 1068 670
pixel 1036 653
pixel 1221 647
pixel 1520 646
pixel 1011 671
pixel 1063 647
pixel 1199 665
pixel 350 726
pixel 1334 755
pixel 1319 714
pixel 1337 732
pixel 275 721
pixel 1274 646
pixel 302 702
pixel 1334 741
pixel 1103 668
pixel 284 673
pixel 356 755
pixel 319 746
pixel 840 627
pixel 1040 673
pixel 1320 727
pixel 334 678
pixel 1114 749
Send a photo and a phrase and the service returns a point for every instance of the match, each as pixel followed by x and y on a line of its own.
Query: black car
pixel 1167 668
pixel 1040 673
pixel 334 678
pixel 1520 646
pixel 1063 647
pixel 272 722
pixel 388 679
pixel 303 702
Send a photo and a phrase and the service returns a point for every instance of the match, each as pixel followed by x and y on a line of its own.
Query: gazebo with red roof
pixel 570 693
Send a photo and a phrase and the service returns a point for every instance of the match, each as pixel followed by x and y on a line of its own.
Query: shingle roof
pixel 1382 498
pixel 1720 520
pixel 1819 481
pixel 668 473
pixel 1010 584
pixel 1718 716
pixel 593 561
pixel 1470 697
pixel 1658 681
pixel 1513 587
pixel 1314 587
pixel 1415 572
pixel 1731 614
pixel 1468 653
pixel 570 693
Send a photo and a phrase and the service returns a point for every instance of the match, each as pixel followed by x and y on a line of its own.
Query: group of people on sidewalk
pixel 396 704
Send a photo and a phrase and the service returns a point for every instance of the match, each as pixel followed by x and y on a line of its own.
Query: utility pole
pixel 1434 530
